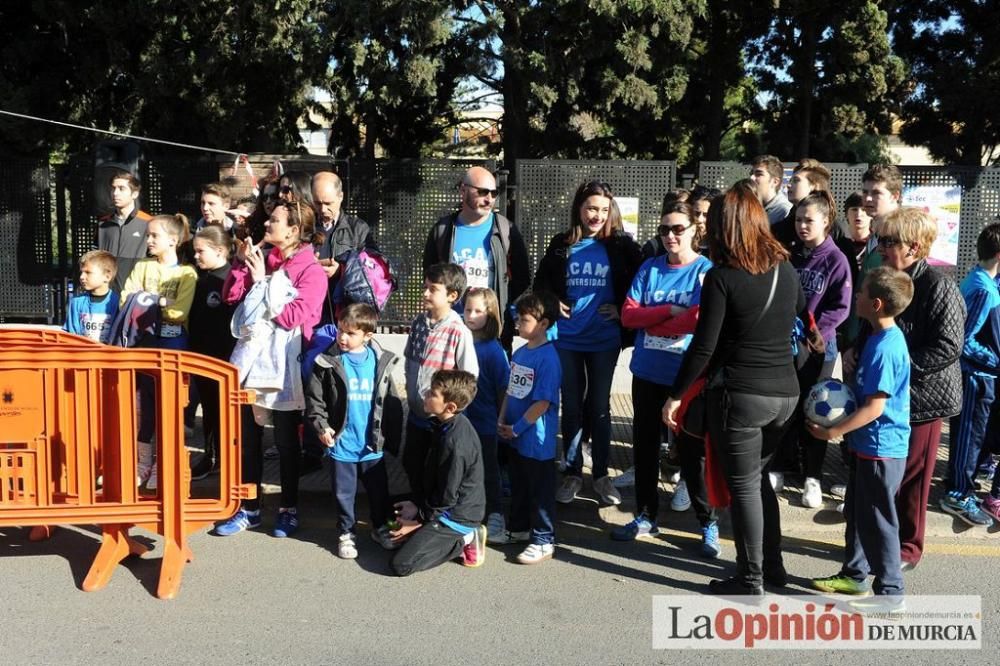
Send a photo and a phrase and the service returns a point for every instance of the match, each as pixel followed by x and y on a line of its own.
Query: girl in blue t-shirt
pixel 662 305
pixel 590 268
pixel 482 316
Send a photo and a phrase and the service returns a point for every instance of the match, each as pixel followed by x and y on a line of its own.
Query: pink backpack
pixel 366 277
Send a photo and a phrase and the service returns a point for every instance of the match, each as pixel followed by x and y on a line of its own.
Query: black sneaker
pixel 735 587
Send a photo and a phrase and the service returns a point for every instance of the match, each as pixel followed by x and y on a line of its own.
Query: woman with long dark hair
pixel 590 269
pixel 749 302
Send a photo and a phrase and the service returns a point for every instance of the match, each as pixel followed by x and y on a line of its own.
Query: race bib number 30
pixel 522 379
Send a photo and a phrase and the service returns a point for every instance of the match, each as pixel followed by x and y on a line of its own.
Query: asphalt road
pixel 255 599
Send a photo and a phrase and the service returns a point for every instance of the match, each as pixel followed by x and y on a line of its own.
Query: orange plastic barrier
pixel 67 414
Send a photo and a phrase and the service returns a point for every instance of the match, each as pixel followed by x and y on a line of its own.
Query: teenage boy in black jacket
pixel 444 519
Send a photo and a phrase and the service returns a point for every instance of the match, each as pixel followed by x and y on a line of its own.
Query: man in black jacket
pixel 488 247
pixel 342 232
pixel 444 518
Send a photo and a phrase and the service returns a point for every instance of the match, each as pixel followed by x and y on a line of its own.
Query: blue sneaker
pixel 286 525
pixel 710 540
pixel 965 509
pixel 641 527
pixel 243 520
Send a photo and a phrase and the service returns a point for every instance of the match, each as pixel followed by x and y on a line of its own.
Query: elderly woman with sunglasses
pixel 662 304
pixel 934 327
pixel 590 269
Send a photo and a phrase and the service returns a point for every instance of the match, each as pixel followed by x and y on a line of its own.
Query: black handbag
pixel 695 422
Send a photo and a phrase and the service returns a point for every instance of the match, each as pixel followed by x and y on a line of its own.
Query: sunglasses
pixel 889 241
pixel 482 191
pixel 286 189
pixel 675 229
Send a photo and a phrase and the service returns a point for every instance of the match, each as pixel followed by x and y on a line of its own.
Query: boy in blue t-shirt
pixel 91 314
pixel 878 436
pixel 980 366
pixel 529 418
pixel 352 404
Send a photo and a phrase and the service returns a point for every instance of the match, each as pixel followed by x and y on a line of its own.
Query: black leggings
pixel 746 429
pixel 647 404
pixel 286 437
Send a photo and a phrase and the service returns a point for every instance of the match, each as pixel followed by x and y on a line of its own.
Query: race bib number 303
pixel 522 380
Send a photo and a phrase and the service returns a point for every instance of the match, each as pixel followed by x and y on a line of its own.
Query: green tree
pixel 395 67
pixel 955 55
pixel 235 76
pixel 830 80
pixel 579 78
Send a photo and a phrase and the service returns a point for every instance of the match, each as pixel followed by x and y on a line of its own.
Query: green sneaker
pixel 841 584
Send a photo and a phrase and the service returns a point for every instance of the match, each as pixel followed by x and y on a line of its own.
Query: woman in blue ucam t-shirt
pixel 663 306
pixel 589 268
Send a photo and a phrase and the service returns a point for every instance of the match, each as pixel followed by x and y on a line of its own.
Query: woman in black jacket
pixel 934 327
pixel 589 268
pixel 749 302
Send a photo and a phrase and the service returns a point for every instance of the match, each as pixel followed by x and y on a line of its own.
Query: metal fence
pixel 48 209
pixel 980 193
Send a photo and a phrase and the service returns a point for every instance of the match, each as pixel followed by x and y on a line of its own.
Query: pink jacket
pixel 306 275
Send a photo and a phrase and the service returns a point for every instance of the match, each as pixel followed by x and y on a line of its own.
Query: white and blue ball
pixel 829 402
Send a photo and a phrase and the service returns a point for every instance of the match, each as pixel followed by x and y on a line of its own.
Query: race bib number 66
pixel 522 379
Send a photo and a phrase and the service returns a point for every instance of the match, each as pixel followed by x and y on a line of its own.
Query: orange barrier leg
pixel 175 556
pixel 116 545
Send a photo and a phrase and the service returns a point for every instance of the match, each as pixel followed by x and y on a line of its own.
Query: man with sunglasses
pixel 488 247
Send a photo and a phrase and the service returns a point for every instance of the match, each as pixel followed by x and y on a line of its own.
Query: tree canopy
pixel 647 79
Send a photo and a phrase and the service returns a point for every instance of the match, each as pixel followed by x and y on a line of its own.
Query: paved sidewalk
pixel 586 510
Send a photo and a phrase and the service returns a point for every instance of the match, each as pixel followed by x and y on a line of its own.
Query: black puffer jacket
pixel 934 326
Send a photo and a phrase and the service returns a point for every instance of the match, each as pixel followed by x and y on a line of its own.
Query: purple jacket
pixel 307 277
pixel 825 275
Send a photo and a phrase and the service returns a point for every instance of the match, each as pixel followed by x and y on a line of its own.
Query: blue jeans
pixel 586 383
pixel 344 478
pixel 532 497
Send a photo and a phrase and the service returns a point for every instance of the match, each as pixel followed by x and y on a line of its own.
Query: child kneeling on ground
pixel 878 437
pixel 444 518
pixel 352 404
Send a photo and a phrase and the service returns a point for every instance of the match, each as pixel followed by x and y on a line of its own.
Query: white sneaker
pixel 536 553
pixel 675 478
pixel 496 527
pixel 777 480
pixel 346 548
pixel 839 490
pixel 510 537
pixel 566 492
pixel 606 491
pixel 812 494
pixel 626 479
pixel 681 501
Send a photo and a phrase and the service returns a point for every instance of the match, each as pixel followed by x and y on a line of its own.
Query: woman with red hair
pixel 749 302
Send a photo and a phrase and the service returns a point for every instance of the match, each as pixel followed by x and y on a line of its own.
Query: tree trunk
pixel 514 88
pixel 805 64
